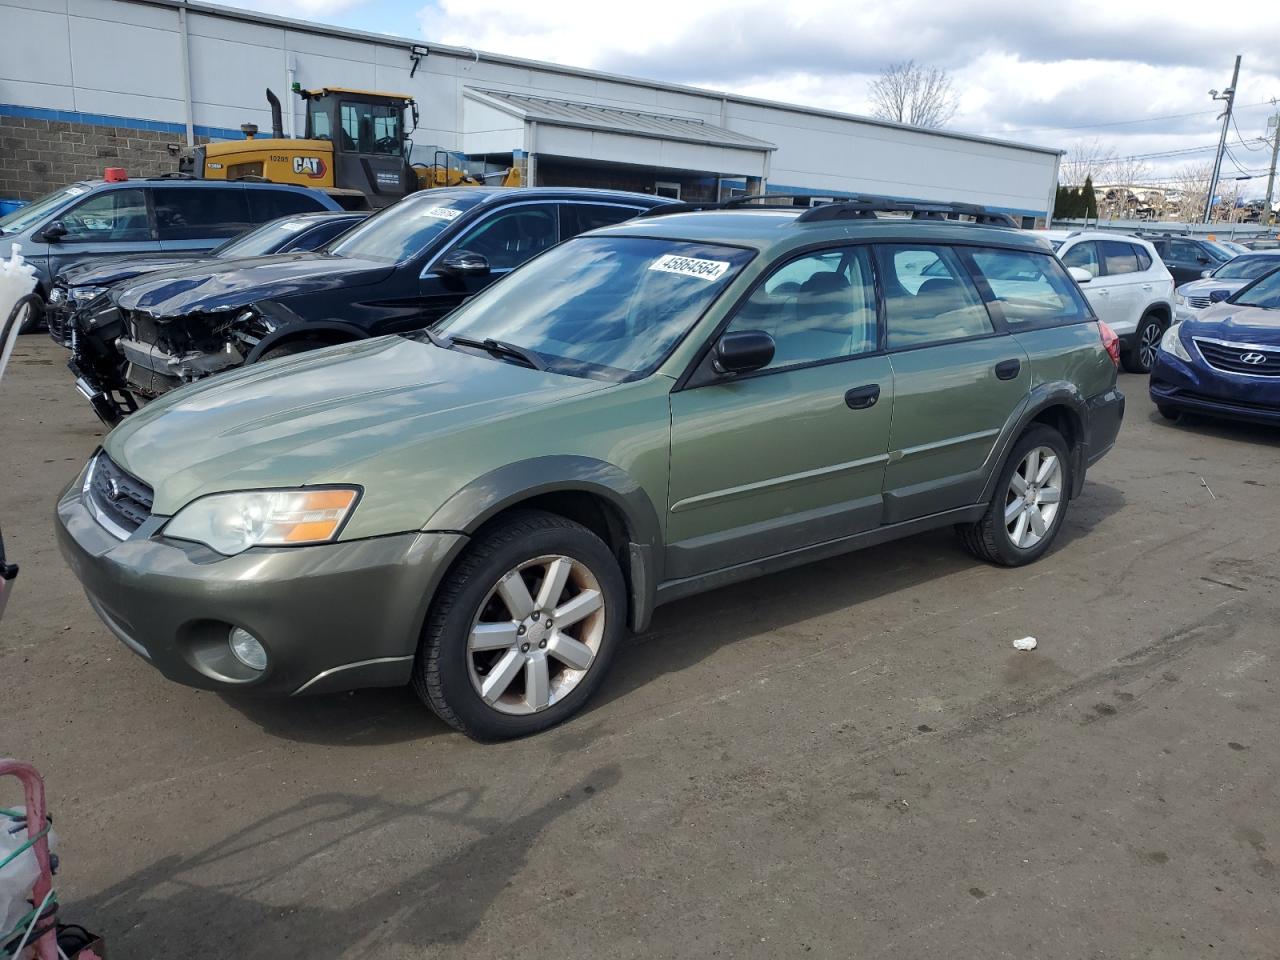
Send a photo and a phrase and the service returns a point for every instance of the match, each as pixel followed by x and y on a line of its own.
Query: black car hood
pixel 230 284
pixel 103 273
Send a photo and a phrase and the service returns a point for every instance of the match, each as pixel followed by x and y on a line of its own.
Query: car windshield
pixel 1217 251
pixel 1246 268
pixel 403 230
pixel 262 240
pixel 1263 293
pixel 604 307
pixel 33 212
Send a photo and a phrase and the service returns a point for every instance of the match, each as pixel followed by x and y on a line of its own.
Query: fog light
pixel 248 649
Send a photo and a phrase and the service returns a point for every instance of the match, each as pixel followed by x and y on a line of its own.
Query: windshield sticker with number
pixel 442 213
pixel 691 266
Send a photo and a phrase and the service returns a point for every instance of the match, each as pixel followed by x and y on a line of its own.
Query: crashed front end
pixel 162 353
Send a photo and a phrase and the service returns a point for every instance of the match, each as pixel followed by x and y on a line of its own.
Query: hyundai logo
pixel 1253 358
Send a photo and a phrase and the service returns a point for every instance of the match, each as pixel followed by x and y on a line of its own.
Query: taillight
pixel 1110 342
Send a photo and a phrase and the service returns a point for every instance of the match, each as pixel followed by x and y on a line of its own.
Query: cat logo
pixel 313 167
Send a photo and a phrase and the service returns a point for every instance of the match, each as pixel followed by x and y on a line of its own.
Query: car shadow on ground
pixel 682 634
pixel 1230 430
pixel 228 899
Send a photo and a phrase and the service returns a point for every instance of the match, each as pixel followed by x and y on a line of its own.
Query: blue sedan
pixel 1226 361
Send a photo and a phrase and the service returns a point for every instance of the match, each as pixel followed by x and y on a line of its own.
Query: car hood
pixel 1228 321
pixel 229 284
pixel 103 273
pixel 1206 285
pixel 392 407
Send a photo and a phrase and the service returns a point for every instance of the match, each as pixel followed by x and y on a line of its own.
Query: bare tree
pixel 1087 159
pixel 1192 185
pixel 909 93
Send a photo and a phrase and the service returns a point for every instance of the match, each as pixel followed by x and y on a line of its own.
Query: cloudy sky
pixel 1051 73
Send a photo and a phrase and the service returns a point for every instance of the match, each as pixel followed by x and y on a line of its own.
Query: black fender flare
pixel 1051 393
pixel 301 330
pixel 488 495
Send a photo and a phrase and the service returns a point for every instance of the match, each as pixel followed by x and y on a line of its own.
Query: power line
pixel 1240 136
pixel 1124 123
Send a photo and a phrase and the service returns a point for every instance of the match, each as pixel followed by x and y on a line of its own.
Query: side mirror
pixel 464 263
pixel 1205 273
pixel 53 231
pixel 1217 296
pixel 1080 274
pixel 742 352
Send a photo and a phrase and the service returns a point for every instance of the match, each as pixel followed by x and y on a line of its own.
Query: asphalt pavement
pixel 845 760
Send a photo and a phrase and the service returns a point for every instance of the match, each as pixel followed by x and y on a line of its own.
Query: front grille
pixel 1231 357
pixel 1199 303
pixel 121 502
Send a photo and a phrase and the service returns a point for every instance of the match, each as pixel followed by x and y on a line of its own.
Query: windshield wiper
pixel 501 348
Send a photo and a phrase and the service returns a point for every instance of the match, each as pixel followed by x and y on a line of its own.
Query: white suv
pixel 1126 283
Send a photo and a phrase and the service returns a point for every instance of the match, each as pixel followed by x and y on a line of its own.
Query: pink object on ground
pixel 46 946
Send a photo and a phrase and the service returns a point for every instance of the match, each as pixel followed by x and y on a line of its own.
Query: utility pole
pixel 1274 126
pixel 1228 95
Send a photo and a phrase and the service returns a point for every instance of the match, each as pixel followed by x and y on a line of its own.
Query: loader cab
pixel 371 145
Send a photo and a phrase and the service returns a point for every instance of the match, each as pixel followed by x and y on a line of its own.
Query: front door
pixel 793 454
pixel 1186 260
pixel 956 381
pixel 506 238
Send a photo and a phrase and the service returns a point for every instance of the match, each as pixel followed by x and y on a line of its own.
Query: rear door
pixel 106 223
pixel 507 237
pixel 199 218
pixel 792 454
pixel 1125 280
pixel 957 377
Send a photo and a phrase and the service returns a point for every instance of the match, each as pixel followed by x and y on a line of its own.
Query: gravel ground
pixel 845 760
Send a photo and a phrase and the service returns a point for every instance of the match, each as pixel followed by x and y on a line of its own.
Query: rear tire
pixel 1146 341
pixel 290 349
pixel 1011 509
pixel 1169 413
pixel 481 676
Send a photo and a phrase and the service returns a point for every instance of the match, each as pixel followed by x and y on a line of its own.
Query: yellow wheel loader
pixel 355 148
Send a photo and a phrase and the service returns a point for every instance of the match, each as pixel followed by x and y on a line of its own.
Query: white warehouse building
pixel 91 83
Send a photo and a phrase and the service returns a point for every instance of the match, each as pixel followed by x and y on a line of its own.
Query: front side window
pixel 923 307
pixel 510 237
pixel 1119 257
pixel 372 128
pixel 821 306
pixel 1085 256
pixel 405 229
pixel 1184 251
pixel 114 215
pixel 197 213
pixel 609 308
pixel 1032 289
pixel 34 212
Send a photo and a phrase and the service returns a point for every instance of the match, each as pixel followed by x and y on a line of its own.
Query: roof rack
pixel 868 208
pixel 699 206
pixel 172 176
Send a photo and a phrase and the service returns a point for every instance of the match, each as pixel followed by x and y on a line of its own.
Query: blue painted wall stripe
pixel 106 120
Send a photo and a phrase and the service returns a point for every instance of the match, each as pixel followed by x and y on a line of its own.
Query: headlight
pixel 1171 342
pixel 1179 299
pixel 84 294
pixel 57 294
pixel 233 522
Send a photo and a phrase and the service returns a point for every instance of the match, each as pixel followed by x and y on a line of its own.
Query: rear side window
pixel 576 218
pixel 267 205
pixel 115 216
pixel 317 236
pixel 1085 256
pixel 929 297
pixel 818 307
pixel 1118 257
pixel 1031 289
pixel 192 213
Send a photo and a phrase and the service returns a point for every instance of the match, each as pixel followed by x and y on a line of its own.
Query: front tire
pixel 523 629
pixel 1029 504
pixel 27 313
pixel 1141 357
pixel 1169 413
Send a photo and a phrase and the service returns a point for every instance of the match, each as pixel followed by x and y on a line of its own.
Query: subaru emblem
pixel 1253 358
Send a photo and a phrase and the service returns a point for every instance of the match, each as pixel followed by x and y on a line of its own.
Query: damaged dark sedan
pixel 402 269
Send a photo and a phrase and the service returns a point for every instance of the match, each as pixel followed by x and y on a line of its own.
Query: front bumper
pixel 332 616
pixel 1198 388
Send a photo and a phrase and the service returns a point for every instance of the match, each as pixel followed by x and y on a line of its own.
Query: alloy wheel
pixel 536 634
pixel 1033 498
pixel 1148 345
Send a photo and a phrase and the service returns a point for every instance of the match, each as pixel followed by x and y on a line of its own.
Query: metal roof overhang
pixel 592 132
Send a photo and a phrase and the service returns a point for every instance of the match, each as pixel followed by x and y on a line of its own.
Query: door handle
pixel 859 398
pixel 1146 286
pixel 1102 291
pixel 1008 369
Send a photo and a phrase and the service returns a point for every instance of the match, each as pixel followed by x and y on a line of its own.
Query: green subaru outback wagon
pixel 639 414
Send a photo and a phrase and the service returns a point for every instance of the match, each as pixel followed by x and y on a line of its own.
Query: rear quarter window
pixel 1144 258
pixel 1030 290
pixel 267 205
